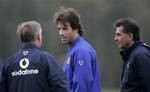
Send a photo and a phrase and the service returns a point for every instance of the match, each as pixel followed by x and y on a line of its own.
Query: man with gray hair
pixel 30 69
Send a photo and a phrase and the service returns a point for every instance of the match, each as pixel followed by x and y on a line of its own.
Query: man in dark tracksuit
pixel 136 55
pixel 30 69
pixel 80 66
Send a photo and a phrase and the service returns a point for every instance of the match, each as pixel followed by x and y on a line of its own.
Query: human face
pixel 123 40
pixel 66 33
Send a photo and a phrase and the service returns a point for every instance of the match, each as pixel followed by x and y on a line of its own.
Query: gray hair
pixel 28 30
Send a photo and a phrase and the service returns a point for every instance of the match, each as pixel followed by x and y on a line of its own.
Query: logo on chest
pixel 80 62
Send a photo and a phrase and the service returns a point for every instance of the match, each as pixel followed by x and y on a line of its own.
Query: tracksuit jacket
pixel 136 68
pixel 81 67
pixel 32 70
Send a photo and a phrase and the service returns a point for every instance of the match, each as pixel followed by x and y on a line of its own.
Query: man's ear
pixel 76 30
pixel 130 36
pixel 38 35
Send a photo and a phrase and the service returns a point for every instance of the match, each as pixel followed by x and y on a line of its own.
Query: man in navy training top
pixel 80 66
pixel 136 56
pixel 30 69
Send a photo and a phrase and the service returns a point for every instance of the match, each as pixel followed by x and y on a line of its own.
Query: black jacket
pixel 135 74
pixel 32 70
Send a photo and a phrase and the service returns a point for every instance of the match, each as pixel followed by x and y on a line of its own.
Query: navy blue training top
pixel 135 73
pixel 32 70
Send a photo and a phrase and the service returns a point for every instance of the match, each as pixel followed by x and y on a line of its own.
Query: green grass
pixel 110 90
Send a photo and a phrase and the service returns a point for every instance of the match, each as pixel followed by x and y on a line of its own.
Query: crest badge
pixel 25 53
pixel 80 62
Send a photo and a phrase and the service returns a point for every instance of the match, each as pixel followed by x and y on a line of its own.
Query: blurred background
pixel 97 18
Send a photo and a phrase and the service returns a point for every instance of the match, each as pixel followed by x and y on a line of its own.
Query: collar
pixel 75 41
pixel 125 53
pixel 29 46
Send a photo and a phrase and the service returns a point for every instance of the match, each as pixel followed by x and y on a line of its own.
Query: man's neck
pixel 37 43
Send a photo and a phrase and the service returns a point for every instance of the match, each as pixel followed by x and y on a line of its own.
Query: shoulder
pixel 13 55
pixel 84 46
pixel 141 56
pixel 48 57
pixel 47 54
pixel 84 52
pixel 81 50
pixel 140 53
pixel 139 50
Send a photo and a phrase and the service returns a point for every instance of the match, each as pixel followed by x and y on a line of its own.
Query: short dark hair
pixel 27 30
pixel 70 16
pixel 129 26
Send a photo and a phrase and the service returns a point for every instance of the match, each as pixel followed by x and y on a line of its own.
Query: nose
pixel 116 38
pixel 61 32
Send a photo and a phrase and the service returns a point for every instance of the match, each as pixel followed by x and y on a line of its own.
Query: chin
pixel 63 42
pixel 120 47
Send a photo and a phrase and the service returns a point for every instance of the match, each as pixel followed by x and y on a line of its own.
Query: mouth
pixel 118 43
pixel 63 38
